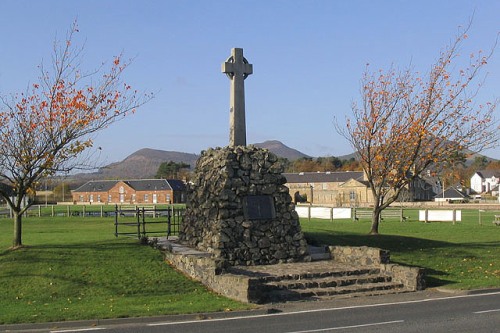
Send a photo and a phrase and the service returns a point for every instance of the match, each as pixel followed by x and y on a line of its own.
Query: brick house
pixel 140 191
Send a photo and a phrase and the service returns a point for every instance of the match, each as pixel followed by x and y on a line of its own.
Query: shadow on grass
pixel 411 248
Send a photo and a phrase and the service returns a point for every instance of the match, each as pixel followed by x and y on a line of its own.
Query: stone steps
pixel 351 272
pixel 308 275
pixel 369 289
pixel 326 284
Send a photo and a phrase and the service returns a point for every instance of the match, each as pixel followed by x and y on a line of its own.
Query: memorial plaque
pixel 259 207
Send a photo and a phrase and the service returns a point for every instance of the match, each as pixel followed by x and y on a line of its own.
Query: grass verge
pixel 74 269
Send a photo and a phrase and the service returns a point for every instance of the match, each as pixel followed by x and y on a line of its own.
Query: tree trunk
pixel 17 241
pixel 375 220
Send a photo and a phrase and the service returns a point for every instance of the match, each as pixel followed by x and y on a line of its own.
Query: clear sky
pixel 308 57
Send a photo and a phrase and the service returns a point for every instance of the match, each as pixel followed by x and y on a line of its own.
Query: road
pixel 461 313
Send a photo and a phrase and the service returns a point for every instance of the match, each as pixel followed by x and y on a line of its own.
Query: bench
pixel 362 214
pixel 388 213
pixel 497 220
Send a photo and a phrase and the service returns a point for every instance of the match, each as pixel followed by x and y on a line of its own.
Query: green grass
pixel 74 268
pixel 461 256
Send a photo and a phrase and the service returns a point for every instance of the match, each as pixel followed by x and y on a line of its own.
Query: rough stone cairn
pixel 223 216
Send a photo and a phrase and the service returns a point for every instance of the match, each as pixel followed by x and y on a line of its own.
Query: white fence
pixel 323 212
pixel 449 215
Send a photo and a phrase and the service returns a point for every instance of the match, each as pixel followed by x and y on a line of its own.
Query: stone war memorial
pixel 241 236
pixel 239 209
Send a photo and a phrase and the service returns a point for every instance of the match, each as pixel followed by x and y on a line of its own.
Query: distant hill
pixel 281 150
pixel 144 163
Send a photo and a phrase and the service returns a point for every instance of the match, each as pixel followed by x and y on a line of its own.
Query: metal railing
pixel 142 222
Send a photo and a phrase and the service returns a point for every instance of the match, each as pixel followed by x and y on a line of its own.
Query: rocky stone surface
pixel 220 220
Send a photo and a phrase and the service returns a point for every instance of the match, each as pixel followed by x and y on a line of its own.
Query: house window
pixel 352 196
pixel 109 198
pixel 91 198
pixel 168 197
pixel 98 198
pixel 133 197
pixel 81 198
pixel 146 197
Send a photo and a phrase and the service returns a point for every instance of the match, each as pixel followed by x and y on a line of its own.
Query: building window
pixel 81 198
pixel 168 197
pixel 91 198
pixel 133 197
pixel 146 197
pixel 98 198
pixel 109 198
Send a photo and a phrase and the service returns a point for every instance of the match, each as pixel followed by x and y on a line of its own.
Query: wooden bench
pixel 394 213
pixel 362 214
pixel 497 220
pixel 387 213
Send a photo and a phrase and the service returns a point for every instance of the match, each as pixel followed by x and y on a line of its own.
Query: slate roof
pixel 488 173
pixel 97 186
pixel 323 177
pixel 136 184
pixel 148 184
pixel 177 185
pixel 451 193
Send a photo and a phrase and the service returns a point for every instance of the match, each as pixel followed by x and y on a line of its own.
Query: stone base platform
pixel 350 271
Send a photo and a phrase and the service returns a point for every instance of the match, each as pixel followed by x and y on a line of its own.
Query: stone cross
pixel 237 69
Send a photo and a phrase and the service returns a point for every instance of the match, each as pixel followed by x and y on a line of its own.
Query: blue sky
pixel 307 56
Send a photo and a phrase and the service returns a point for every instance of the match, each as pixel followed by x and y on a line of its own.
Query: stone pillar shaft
pixel 237 69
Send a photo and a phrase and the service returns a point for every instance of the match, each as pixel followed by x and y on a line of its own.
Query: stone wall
pixel 359 255
pixel 219 219
pixel 411 277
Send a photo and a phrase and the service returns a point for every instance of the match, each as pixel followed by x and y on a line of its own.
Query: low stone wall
pixel 203 268
pixel 411 277
pixel 362 255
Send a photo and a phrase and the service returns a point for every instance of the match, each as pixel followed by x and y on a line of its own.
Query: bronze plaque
pixel 259 207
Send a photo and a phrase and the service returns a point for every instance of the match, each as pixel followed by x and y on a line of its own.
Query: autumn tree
pixel 47 128
pixel 406 123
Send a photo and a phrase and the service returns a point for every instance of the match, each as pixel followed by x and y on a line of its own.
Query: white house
pixel 483 181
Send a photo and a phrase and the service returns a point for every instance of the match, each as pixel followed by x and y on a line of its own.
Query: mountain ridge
pixel 144 162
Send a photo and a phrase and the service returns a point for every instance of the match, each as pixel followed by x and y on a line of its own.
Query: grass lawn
pixel 461 256
pixel 74 268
